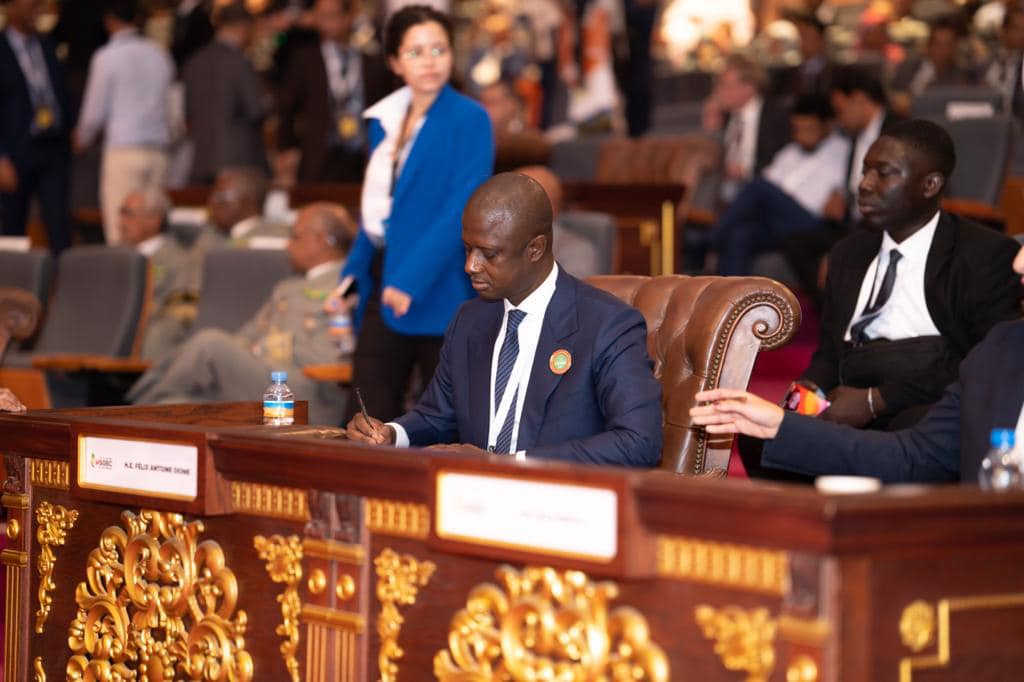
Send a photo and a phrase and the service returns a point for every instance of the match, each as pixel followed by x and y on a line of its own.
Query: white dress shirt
pixel 377 185
pixel 535 306
pixel 127 95
pixel 743 128
pixel 905 315
pixel 243 227
pixel 150 246
pixel 810 177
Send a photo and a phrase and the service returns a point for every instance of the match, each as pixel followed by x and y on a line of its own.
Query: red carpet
pixel 775 370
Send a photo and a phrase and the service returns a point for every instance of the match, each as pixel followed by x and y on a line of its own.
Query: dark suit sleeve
pixel 251 94
pixel 991 294
pixel 929 452
pixel 289 101
pixel 433 420
pixel 629 398
pixel 824 367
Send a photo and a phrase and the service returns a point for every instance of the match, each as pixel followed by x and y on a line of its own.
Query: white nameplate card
pixel 532 516
pixel 139 467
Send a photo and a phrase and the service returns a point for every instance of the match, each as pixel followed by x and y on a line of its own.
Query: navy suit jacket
pixel 947 444
pixel 16 111
pixel 605 410
pixel 452 155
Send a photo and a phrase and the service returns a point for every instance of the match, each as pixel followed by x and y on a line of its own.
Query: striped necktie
pixel 506 361
pixel 858 331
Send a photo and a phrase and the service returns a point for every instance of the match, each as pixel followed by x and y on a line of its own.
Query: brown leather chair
pixel 702 333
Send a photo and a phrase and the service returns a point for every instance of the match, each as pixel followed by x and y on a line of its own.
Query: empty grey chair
pixel 984 148
pixel 935 102
pixel 97 302
pixel 236 282
pixel 576 160
pixel 676 118
pixel 591 249
pixel 28 270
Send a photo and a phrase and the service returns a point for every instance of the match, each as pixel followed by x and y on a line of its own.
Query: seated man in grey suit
pixel 175 270
pixel 288 332
pixel 235 209
pixel 583 240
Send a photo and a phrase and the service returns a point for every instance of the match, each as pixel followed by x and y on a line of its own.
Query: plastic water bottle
pixel 278 401
pixel 1002 468
pixel 342 334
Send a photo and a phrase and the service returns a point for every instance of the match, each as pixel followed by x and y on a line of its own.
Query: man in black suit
pixel 907 298
pixel 225 102
pixel 753 127
pixel 35 117
pixel 322 136
pixel 814 73
pixel 859 100
pixel 963 288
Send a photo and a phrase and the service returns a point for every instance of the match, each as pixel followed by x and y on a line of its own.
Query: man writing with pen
pixel 541 364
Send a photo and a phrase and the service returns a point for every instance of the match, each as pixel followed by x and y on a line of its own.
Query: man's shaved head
pixel 506 229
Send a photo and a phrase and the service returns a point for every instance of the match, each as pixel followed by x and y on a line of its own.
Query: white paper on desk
pixel 20 244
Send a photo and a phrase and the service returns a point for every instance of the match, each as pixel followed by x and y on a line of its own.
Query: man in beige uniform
pixel 174 270
pixel 235 209
pixel 288 332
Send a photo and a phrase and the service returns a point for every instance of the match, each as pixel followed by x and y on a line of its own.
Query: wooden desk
pixel 335 556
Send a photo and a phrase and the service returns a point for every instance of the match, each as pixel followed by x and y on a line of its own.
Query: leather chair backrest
pixel 97 302
pixel 935 102
pixel 236 282
pixel 984 147
pixel 703 333
pixel 28 270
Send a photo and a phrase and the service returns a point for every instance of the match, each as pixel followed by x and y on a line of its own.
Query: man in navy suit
pixel 948 444
pixel 541 364
pixel 35 117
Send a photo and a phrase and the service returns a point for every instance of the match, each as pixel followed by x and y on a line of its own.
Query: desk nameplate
pixel 139 466
pixel 518 514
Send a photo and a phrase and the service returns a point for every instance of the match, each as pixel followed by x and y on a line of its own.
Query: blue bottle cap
pixel 1002 438
pixel 279 377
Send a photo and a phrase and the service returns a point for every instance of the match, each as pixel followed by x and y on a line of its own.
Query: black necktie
pixel 873 310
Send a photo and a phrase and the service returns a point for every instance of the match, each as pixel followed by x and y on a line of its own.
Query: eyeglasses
pixel 417 53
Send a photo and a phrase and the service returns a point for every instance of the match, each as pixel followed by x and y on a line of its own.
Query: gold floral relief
pixel 399 578
pixel 744 640
pixel 53 524
pixel 543 624
pixel 157 603
pixel 284 565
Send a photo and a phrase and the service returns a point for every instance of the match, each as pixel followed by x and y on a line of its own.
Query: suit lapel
pixel 560 322
pixel 422 145
pixel 480 350
pixel 939 254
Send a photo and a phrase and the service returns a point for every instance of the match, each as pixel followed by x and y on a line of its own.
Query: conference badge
pixel 348 126
pixel 560 361
pixel 44 118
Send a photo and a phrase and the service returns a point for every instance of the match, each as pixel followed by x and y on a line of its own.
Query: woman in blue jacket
pixel 430 149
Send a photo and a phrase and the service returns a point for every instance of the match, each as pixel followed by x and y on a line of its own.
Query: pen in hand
pixel 374 431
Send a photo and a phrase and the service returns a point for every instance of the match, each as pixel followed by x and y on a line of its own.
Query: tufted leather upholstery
pixel 704 332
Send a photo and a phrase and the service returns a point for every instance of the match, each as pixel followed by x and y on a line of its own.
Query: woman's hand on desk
pixel 373 431
pixel 728 410
pixel 397 300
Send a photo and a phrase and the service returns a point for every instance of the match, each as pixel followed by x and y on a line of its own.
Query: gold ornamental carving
pixel 917 625
pixel 53 522
pixel 740 567
pixel 399 578
pixel 273 501
pixel 48 473
pixel 404 519
pixel 744 640
pixel 37 665
pixel 544 624
pixel 284 565
pixel 158 604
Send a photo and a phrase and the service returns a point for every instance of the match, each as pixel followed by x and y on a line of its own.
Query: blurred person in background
pixel 225 102
pixel 36 116
pixel 127 100
pixel 431 148
pixel 1003 73
pixel 939 66
pixel 235 207
pixel 321 135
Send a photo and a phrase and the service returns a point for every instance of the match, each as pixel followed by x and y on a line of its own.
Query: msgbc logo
pixel 100 462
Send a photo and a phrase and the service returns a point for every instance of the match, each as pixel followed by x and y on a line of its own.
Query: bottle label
pixel 278 409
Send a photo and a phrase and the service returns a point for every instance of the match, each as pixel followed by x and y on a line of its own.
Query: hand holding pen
pixel 365 428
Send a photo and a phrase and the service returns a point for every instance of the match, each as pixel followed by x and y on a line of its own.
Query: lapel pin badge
pixel 560 361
